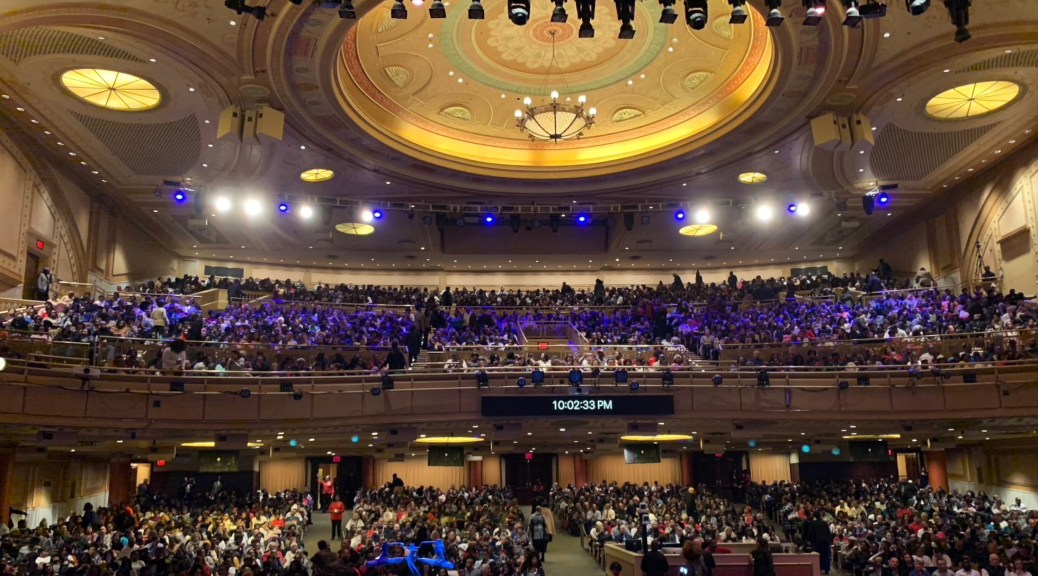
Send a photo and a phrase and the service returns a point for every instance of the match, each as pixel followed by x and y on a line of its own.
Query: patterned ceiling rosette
pixel 487 67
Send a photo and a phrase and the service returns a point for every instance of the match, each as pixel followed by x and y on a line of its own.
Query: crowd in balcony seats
pixel 701 318
pixel 886 528
pixel 219 534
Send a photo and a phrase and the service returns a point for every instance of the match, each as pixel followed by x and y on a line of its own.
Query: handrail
pixel 922 339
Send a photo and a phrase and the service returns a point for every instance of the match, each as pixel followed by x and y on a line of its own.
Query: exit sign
pixel 40 244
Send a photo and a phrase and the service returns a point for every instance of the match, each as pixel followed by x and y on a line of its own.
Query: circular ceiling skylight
pixel 972 100
pixel 111 89
pixel 355 228
pixel 698 229
pixel 316 175
pixel 753 177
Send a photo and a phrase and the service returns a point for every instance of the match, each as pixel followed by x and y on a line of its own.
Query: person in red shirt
pixel 336 510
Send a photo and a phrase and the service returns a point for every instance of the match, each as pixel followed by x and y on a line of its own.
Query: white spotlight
pixel 306 212
pixel 366 215
pixel 702 216
pixel 253 207
pixel 764 213
pixel 223 204
pixel 804 209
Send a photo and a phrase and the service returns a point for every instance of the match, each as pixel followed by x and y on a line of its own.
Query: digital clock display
pixel 633 405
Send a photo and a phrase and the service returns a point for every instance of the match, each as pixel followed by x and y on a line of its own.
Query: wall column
pixel 686 469
pixel 937 468
pixel 476 473
pixel 579 471
pixel 6 477
pixel 120 481
pixel 367 472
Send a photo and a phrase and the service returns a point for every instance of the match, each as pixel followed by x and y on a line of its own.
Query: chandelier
pixel 555 120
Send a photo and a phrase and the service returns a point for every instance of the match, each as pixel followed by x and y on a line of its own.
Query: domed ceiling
pixel 451 87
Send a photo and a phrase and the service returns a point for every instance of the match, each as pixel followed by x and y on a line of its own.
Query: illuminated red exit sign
pixel 542 346
pixel 40 244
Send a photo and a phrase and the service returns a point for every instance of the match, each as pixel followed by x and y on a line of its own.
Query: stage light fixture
pixel 398 11
pixel 739 13
pixel 375 391
pixel 806 448
pixel 367 215
pixel 696 13
pixel 717 379
pixel 843 384
pixel 245 393
pixel 583 218
pixel 752 443
pixel 483 379
pixel 586 13
pixel 764 213
pixel 297 395
pixel 853 17
pixel 836 451
pixel 917 7
pixel 679 215
pixel 558 14
pixel 633 386
pixel 377 214
pixel 223 204
pixel 347 11
pixel 815 12
pixel 306 212
pixel 792 208
pixel 625 14
pixel 437 10
pixel 620 376
pixel 576 377
pixel 521 382
pixel 240 7
pixel 253 207
pixel 476 10
pixel 283 207
pixel 883 199
pixel 667 14
pixel 873 9
pixel 959 11
pixel 180 196
pixel 774 8
pixel 489 219
pixel 537 377
pixel 803 209
pixel 519 12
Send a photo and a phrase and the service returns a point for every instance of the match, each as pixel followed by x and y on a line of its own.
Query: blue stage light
pixel 792 208
pixel 355 439
pixel 489 219
pixel 293 443
pixel 806 448
pixel 836 451
pixel 583 219
pixel 283 208
pixel 883 199
pixel 377 214
pixel 679 215
pixel 180 196
pixel 752 443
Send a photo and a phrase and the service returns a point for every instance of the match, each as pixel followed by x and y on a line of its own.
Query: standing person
pixel 159 318
pixel 549 519
pixel 539 532
pixel 43 285
pixel 215 490
pixel 413 340
pixel 324 561
pixel 395 361
pixel 336 509
pixel 694 564
pixel 327 491
pixel 763 562
pixel 820 538
pixel 655 563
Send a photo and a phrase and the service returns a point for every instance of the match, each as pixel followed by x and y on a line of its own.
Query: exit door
pixel 32 272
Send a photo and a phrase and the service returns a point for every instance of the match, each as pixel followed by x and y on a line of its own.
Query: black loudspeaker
pixel 868 203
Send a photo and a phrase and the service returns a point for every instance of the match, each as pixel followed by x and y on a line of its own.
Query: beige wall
pixel 50 488
pixel 1003 468
pixel 415 471
pixel 612 468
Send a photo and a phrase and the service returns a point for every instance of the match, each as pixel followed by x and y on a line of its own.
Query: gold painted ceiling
pixel 450 87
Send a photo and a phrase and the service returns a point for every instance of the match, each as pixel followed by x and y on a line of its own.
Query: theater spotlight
pixel 620 376
pixel 558 14
pixel 633 386
pixel 883 199
pixel 774 12
pixel 347 11
pixel 537 377
pixel 282 207
pixel 738 12
pixel 717 379
pixel 668 15
pixel 586 13
pixel 483 379
pixel 873 9
pixel 376 391
pixel 576 377
pixel 476 10
pixel 843 384
pixel 239 6
pixel 297 395
pixel 815 12
pixel 437 10
pixel 387 382
pixel 959 11
pixel 583 218
pixel 377 214
pixel 792 208
pixel 696 13
pixel 679 215
pixel 917 7
pixel 519 12
pixel 625 14
pixel 853 17
pixel 764 213
pixel 521 381
pixel 306 212
pixel 489 219
pixel 398 11
pixel 180 196
pixel 245 393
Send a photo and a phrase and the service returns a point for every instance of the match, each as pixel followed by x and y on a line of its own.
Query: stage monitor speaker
pixel 831 132
pixel 270 125
pixel 230 123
